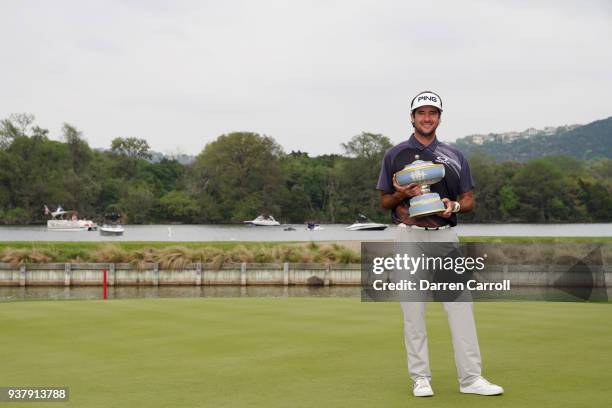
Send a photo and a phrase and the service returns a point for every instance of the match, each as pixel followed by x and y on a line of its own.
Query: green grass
pixel 296 352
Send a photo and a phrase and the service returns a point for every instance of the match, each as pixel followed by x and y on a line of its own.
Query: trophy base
pixel 426 204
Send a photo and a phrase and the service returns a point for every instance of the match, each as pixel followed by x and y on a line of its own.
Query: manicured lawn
pixel 296 352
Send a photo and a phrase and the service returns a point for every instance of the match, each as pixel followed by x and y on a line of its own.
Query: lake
pixel 330 232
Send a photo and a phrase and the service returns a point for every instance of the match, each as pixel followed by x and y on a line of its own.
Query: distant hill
pixel 156 157
pixel 182 158
pixel 587 142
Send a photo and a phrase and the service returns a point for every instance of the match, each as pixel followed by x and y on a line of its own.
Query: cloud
pixel 310 74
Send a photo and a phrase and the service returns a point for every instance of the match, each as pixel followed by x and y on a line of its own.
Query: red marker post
pixel 104 282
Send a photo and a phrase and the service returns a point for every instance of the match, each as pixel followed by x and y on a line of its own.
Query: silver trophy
pixel 424 173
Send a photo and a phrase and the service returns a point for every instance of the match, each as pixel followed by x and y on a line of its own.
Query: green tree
pixel 357 177
pixel 240 172
pixel 508 201
pixel 178 206
pixel 131 147
pixel 15 125
pixel 544 192
pixel 130 154
pixel 136 203
pixel 80 153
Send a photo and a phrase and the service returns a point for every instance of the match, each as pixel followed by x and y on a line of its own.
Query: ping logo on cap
pixel 426 98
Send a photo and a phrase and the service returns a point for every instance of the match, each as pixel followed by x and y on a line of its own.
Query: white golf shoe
pixel 422 388
pixel 482 387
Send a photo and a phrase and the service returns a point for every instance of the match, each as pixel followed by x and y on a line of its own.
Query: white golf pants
pixel 460 319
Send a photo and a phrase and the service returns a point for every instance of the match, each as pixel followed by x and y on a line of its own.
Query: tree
pixel 358 174
pixel 178 206
pixel 508 201
pixel 370 146
pixel 131 147
pixel 23 121
pixel 241 172
pixel 80 153
pixel 487 181
pixel 136 203
pixel 14 126
pixel 543 191
pixel 129 153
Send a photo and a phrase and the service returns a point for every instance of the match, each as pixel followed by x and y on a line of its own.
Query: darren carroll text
pixel 427 285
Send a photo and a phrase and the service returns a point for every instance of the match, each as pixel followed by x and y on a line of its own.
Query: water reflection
pixel 132 292
pixel 129 292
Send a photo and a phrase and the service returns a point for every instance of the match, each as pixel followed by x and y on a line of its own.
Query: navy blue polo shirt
pixel 457 179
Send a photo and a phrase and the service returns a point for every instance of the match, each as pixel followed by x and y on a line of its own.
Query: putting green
pixel 296 352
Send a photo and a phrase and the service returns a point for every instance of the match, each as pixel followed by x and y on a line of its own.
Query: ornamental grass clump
pixel 313 246
pixel 241 254
pixel 347 256
pixel 143 257
pixel 178 257
pixel 205 255
pixel 174 258
pixel 336 254
pixel 17 257
pixel 292 254
pixel 109 253
pixel 265 255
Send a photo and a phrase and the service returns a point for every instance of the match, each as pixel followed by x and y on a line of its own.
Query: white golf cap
pixel 426 98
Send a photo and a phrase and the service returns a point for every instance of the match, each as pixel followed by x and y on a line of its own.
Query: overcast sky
pixel 311 74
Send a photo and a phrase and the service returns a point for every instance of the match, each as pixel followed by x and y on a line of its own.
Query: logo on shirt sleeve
pixel 442 159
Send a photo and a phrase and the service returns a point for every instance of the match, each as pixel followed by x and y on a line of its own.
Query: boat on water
pixel 112 225
pixel 313 227
pixel 62 220
pixel 363 223
pixel 262 221
pixel 112 229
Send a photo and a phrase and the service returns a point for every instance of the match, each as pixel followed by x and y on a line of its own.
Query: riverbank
pixel 170 254
pixel 174 254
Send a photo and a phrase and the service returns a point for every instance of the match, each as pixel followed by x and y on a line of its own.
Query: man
pixel 456 193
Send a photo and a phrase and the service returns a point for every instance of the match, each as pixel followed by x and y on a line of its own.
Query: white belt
pixel 443 227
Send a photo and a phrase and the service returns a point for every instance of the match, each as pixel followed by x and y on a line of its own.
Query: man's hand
pixel 409 190
pixel 449 208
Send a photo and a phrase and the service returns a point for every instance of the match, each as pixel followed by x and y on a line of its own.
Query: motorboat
pixel 262 221
pixel 62 220
pixel 363 223
pixel 112 229
pixel 314 227
pixel 112 225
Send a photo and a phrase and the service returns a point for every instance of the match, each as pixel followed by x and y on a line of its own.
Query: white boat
pixel 112 229
pixel 62 220
pixel 365 224
pixel 262 221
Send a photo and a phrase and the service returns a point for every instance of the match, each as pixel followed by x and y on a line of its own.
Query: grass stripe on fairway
pixel 296 352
